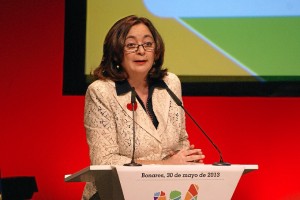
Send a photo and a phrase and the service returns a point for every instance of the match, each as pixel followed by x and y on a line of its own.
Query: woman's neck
pixel 140 85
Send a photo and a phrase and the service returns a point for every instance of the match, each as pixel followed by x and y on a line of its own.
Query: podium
pixel 163 182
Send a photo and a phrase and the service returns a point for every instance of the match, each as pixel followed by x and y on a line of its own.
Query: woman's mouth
pixel 140 62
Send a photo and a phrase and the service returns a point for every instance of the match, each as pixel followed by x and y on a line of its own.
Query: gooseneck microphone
pixel 179 103
pixel 133 103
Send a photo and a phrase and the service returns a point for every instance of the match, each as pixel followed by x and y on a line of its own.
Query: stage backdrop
pixel 42 132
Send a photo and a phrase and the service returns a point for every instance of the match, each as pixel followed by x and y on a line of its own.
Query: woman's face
pixel 138 59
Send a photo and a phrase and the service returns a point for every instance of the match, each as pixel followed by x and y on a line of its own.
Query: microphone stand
pixel 221 162
pixel 133 102
pixel 179 103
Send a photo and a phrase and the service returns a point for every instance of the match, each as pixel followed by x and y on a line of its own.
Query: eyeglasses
pixel 132 47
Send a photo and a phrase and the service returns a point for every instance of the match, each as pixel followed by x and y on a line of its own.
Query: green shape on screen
pixel 268 46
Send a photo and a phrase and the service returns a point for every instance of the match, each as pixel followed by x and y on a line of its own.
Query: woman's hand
pixel 185 156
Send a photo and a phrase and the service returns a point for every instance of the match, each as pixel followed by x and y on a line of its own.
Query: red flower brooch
pixel 129 106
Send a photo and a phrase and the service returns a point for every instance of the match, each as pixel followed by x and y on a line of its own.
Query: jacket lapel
pixel 141 117
pixel 143 120
pixel 161 104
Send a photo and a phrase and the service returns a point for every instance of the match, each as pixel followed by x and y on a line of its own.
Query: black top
pixel 123 87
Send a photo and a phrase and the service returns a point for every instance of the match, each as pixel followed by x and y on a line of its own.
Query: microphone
pixel 133 102
pixel 179 103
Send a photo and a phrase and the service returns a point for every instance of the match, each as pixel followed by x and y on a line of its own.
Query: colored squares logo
pixel 160 196
pixel 191 194
pixel 175 195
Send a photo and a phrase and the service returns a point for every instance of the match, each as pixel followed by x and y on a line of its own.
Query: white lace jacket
pixel 108 124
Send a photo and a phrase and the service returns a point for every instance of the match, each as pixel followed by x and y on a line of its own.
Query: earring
pixel 118 67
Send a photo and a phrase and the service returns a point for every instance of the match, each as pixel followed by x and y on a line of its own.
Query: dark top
pixel 123 87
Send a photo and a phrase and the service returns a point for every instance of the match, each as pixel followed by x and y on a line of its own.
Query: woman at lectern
pixel 131 68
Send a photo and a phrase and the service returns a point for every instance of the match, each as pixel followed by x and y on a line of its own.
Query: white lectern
pixel 163 182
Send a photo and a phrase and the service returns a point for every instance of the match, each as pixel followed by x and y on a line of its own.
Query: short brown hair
pixel 113 50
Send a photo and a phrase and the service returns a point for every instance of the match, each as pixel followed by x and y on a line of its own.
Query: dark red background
pixel 42 133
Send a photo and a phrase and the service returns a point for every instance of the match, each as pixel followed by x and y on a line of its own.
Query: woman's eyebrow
pixel 133 37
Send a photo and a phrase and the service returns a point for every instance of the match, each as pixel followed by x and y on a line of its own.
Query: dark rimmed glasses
pixel 132 47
